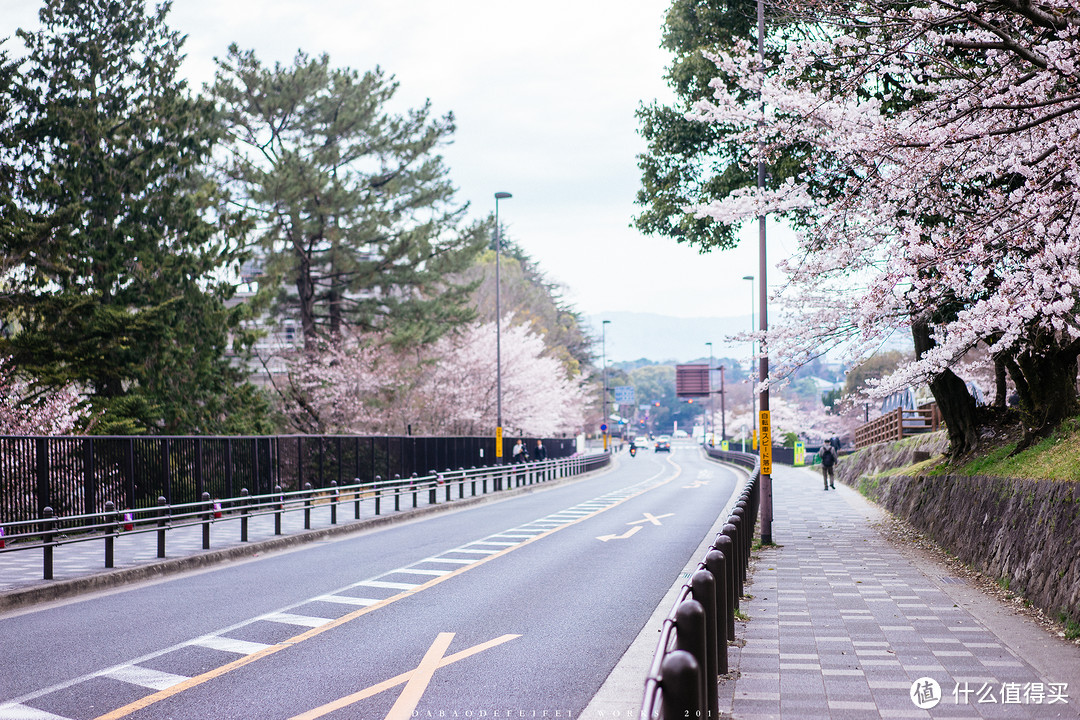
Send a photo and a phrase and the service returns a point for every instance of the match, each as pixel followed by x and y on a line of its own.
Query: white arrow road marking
pixel 697 484
pixel 628 533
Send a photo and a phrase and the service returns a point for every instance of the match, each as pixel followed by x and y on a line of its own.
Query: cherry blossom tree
pixel 26 411
pixel 357 384
pixel 938 190
pixel 328 388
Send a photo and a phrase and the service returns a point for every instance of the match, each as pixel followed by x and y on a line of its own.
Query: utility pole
pixel 763 296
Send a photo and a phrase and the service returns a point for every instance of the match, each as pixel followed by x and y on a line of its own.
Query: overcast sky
pixel 544 96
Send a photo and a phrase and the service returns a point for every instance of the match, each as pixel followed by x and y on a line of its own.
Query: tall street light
pixel 753 399
pixel 498 333
pixel 603 361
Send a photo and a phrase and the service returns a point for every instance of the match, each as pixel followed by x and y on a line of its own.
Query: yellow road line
pixel 420 679
pixel 153 698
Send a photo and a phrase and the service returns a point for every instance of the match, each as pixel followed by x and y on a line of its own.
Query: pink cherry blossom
pixel 939 149
pixel 25 410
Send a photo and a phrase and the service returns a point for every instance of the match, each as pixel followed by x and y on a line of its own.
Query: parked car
pixel 663 444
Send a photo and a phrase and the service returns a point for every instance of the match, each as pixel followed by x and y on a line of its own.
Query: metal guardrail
pixel 79 474
pixel 745 459
pixel 50 531
pixel 691 653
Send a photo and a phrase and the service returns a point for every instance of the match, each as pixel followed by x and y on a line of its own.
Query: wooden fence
pixel 898 424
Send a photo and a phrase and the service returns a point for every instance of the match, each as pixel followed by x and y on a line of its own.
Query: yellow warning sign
pixel 498 442
pixel 766 442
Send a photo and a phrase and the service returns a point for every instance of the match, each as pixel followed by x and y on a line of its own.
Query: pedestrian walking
pixel 518 455
pixel 540 453
pixel 828 460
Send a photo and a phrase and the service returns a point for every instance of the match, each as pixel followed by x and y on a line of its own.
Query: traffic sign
pixel 766 442
pixel 692 381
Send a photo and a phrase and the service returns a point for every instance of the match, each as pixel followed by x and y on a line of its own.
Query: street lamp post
pixel 498 332
pixel 603 361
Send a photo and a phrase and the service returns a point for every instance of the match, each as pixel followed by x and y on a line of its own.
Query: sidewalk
pixel 843 622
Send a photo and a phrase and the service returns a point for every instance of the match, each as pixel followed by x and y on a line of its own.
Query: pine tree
pixel 360 229
pixel 689 162
pixel 120 285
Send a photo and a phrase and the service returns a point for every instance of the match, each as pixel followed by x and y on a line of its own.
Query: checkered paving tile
pixel 841 624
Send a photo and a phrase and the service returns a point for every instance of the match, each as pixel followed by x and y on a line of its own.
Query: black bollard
pixel 163 521
pixel 715 563
pixel 333 502
pixel 207 517
pixel 740 539
pixel 703 589
pixel 108 518
pixel 724 545
pixel 280 508
pixel 47 534
pixel 307 506
pixel 744 533
pixel 244 514
pixel 733 532
pixel 680 683
pixel 690 636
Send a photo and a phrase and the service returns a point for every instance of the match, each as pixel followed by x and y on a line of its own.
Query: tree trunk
pixel 1046 384
pixel 955 403
pixel 1000 383
pixel 305 295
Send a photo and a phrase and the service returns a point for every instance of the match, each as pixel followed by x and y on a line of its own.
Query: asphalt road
pixel 518 608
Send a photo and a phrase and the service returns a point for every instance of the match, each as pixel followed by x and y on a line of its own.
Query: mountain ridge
pixel 666 338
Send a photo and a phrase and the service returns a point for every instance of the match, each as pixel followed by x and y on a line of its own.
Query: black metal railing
pixel 691 653
pixel 79 475
pixel 745 459
pixel 51 530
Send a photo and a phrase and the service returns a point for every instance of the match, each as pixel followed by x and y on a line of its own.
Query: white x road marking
pixel 649 517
